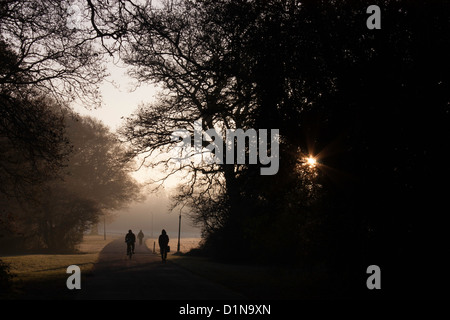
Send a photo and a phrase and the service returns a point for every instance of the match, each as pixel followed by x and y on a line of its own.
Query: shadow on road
pixel 145 277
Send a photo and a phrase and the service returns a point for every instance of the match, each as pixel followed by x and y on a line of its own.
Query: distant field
pixel 186 244
pixel 35 275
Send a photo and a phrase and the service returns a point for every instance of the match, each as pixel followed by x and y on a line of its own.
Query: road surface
pixel 145 277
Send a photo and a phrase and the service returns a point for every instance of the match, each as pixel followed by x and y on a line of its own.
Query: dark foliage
pixel 371 105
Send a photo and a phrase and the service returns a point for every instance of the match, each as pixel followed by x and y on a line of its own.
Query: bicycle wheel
pixel 129 252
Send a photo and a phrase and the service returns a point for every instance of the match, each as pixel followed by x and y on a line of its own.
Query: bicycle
pixel 129 250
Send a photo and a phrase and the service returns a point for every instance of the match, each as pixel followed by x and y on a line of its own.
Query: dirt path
pixel 145 277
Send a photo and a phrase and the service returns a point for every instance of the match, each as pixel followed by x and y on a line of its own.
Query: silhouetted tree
pixel 371 105
pixel 54 49
pixel 213 61
pixel 32 135
pixel 50 53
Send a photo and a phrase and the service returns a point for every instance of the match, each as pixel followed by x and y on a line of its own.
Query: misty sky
pixel 121 97
pixel 141 215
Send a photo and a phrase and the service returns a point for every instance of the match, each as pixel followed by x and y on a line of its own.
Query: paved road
pixel 146 277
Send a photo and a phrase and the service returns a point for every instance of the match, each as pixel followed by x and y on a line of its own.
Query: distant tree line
pixel 94 182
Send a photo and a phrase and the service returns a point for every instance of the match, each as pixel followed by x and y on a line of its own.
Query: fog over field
pixel 140 216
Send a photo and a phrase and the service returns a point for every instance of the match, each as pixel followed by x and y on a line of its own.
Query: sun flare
pixel 311 161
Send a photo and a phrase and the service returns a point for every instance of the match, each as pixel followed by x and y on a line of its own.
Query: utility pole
pixel 154 242
pixel 104 226
pixel 179 232
pixel 152 226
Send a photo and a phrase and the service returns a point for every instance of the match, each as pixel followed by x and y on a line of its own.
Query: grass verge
pixel 43 276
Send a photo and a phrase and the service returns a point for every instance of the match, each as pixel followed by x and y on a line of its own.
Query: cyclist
pixel 130 239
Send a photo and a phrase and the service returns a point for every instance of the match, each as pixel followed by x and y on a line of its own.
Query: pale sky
pixel 121 97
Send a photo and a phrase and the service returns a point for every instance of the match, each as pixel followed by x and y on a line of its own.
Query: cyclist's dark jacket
pixel 130 238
